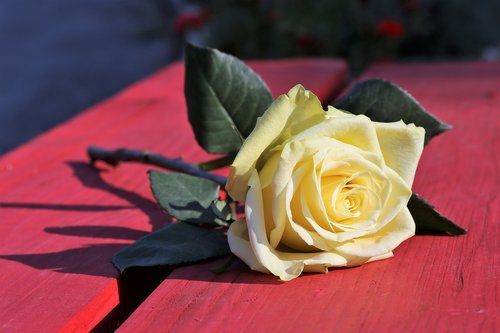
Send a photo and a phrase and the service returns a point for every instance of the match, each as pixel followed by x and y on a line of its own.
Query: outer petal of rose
pixel 237 237
pixel 357 131
pixel 321 261
pixel 290 156
pixel 383 241
pixel 352 261
pixel 380 257
pixel 318 262
pixel 401 147
pixel 397 201
pixel 336 113
pixel 265 254
pixel 267 172
pixel 287 115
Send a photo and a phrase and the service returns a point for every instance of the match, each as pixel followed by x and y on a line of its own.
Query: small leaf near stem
pixel 114 157
pixel 189 199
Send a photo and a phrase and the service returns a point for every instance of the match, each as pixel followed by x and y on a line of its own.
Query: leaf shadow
pixel 91 177
pixel 62 207
pixel 75 261
pixel 91 259
pixel 203 214
pixel 98 231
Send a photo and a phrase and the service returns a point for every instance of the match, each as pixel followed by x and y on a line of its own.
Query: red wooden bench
pixel 62 220
pixel 433 284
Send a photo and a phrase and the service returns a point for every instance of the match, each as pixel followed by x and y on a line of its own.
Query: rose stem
pixel 114 157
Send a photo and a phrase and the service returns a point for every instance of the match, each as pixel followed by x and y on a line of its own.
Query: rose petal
pixel 269 169
pixel 333 238
pixel 263 251
pixel 401 146
pixel 283 264
pixel 290 156
pixel 295 235
pixel 288 115
pixel 358 131
pixel 237 237
pixel 385 240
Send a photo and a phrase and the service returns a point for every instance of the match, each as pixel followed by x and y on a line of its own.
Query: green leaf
pixel 217 163
pixel 428 219
pixel 224 98
pixel 224 212
pixel 179 243
pixel 185 197
pixel 383 101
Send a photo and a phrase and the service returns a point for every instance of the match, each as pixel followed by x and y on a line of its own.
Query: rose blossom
pixel 321 189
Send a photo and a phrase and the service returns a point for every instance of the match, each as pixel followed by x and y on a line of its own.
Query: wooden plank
pixel 61 220
pixel 433 284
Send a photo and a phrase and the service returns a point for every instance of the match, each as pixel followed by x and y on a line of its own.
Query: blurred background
pixel 59 57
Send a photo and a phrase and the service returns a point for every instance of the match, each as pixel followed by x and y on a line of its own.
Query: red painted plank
pixel 433 284
pixel 61 221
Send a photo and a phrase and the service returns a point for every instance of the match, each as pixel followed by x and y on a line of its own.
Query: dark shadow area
pixel 74 261
pixel 63 207
pixel 97 231
pixel 204 213
pixel 207 270
pixel 134 286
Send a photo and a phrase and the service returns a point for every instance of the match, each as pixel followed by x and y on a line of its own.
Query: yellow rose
pixel 321 189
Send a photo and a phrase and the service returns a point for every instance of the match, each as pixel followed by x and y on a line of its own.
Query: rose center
pixel 347 201
pixel 347 198
pixel 351 201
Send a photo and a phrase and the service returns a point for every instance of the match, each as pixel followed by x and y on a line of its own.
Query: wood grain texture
pixel 433 284
pixel 62 220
